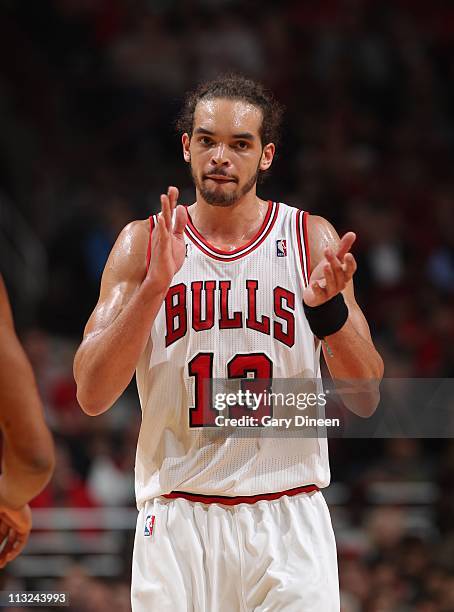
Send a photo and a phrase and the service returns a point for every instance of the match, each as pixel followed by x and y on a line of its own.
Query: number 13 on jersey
pixel 255 371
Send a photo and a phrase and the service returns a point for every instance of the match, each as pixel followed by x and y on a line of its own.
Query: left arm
pixel 350 353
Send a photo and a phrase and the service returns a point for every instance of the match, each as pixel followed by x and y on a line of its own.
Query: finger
pixel 166 212
pixel 181 219
pixel 3 542
pixel 155 239
pixel 4 529
pixel 173 194
pixel 162 232
pixel 164 243
pixel 8 544
pixel 345 245
pixel 336 267
pixel 331 281
pixel 349 266
pixel 18 547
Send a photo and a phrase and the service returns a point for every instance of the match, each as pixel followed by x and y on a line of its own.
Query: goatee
pixel 219 197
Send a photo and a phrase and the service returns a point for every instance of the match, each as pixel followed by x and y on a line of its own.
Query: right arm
pixel 129 301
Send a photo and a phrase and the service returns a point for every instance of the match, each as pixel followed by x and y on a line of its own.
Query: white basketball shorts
pixel 210 557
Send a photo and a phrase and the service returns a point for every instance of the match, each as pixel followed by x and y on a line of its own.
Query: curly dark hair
pixel 235 87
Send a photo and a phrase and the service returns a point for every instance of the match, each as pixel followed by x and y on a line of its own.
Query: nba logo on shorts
pixel 149 524
pixel 281 248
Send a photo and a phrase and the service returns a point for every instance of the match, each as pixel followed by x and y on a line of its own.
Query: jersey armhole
pixel 303 245
pixel 152 224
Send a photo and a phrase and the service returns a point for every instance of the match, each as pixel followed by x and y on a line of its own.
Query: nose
pixel 219 156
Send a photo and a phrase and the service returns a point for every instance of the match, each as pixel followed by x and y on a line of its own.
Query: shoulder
pixel 321 234
pixel 135 231
pixel 128 255
pixel 318 226
pixel 134 235
pixel 320 229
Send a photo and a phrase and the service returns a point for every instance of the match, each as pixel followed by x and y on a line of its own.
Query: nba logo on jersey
pixel 149 524
pixel 281 248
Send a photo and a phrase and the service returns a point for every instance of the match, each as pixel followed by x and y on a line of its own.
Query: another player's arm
pixel 129 301
pixel 27 447
pixel 351 354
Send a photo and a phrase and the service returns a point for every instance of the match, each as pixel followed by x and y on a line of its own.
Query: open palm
pixel 168 249
pixel 331 275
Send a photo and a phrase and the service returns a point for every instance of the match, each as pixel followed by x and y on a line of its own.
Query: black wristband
pixel 327 318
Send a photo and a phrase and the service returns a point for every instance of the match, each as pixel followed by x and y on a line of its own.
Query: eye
pixel 242 144
pixel 205 140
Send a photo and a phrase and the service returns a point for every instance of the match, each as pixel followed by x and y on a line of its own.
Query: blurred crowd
pixel 89 92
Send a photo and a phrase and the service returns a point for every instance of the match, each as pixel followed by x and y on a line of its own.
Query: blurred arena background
pixel 89 90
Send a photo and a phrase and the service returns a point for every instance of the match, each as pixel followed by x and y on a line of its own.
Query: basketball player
pixel 27 447
pixel 230 285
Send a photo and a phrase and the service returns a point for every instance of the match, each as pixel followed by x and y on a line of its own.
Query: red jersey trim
pixel 241 499
pixel 302 249
pixel 152 225
pixel 306 244
pixel 256 241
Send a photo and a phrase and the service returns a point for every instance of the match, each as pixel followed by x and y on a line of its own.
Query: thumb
pixel 181 219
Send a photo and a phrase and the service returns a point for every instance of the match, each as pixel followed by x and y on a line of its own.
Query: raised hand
pixel 332 273
pixel 168 249
pixel 15 527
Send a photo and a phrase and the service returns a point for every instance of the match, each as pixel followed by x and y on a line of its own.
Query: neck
pixel 229 227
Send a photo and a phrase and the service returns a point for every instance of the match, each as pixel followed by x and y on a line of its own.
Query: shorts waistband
pixel 240 499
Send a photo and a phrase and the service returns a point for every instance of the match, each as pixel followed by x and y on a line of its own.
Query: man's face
pixel 225 150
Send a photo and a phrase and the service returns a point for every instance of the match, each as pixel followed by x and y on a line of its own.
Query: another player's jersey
pixel 228 315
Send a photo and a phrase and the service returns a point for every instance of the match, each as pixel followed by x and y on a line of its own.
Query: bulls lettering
pixel 212 305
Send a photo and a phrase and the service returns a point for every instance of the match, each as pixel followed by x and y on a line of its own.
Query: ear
pixel 186 141
pixel 267 156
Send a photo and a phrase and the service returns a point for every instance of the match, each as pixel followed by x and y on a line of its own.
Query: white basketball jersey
pixel 228 315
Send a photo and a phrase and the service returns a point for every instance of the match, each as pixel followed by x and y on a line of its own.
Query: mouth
pixel 220 178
